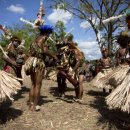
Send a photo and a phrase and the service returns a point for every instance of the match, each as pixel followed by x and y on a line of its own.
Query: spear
pixel 30 23
pixel 125 13
pixel 26 21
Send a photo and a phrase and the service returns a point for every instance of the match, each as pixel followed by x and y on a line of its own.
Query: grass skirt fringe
pixel 96 81
pixel 120 97
pixel 115 77
pixel 9 85
pixel 33 64
pixel 52 75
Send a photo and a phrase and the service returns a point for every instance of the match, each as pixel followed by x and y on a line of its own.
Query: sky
pixel 12 10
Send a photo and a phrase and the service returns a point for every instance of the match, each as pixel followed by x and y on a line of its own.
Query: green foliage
pixel 59 35
pixel 96 11
pixel 25 32
pixel 3 42
pixel 60 30
pixel 29 34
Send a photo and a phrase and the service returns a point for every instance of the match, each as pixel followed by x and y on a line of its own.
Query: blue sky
pixel 12 10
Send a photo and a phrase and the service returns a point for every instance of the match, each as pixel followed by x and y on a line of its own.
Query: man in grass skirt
pixel 120 97
pixel 78 65
pixel 72 61
pixel 12 65
pixel 35 64
pixel 9 83
pixel 105 68
pixel 114 78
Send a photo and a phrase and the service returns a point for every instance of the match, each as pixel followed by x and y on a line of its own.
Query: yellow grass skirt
pixel 96 81
pixel 9 85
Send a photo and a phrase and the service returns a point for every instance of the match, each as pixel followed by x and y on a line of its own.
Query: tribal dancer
pixel 9 84
pixel 62 55
pixel 35 65
pixel 114 78
pixel 120 97
pixel 105 65
pixel 77 62
pixel 73 58
pixel 11 62
pixel 21 58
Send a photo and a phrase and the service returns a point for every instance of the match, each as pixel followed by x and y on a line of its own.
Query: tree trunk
pixel 110 26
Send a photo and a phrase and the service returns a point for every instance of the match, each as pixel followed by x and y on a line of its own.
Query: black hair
pixel 123 40
pixel 127 18
pixel 15 38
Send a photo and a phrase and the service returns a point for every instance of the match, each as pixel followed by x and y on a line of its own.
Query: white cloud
pixel 90 49
pixel 86 24
pixel 16 9
pixel 59 15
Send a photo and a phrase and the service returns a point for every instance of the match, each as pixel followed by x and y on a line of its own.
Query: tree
pixel 27 33
pixel 23 32
pixel 58 36
pixel 60 30
pixel 95 12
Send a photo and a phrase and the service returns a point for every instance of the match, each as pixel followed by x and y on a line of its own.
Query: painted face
pixel 15 43
pixel 105 54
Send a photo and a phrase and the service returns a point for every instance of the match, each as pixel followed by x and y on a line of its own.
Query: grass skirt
pixel 33 64
pixel 120 97
pixel 115 77
pixel 96 81
pixel 9 85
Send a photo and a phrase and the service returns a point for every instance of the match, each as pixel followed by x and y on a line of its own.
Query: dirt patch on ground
pixel 57 114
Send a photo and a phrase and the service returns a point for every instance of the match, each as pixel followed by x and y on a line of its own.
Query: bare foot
pixel 32 107
pixel 37 108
